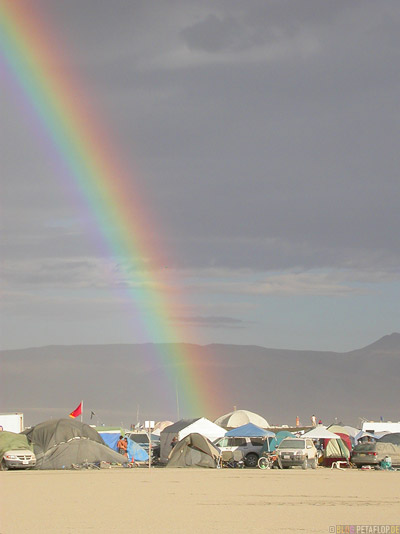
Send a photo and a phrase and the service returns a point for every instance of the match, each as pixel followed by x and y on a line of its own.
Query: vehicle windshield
pixel 292 444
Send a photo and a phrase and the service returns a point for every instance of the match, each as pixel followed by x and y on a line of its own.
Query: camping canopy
pixel 249 431
pixel 194 450
pixel 11 441
pixel 60 443
pixel 320 433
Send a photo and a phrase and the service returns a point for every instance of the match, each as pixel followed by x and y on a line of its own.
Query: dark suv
pixel 250 448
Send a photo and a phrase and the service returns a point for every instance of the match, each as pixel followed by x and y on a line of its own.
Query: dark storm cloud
pixel 266 133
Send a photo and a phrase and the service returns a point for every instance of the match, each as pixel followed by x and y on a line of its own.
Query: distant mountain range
pixel 121 383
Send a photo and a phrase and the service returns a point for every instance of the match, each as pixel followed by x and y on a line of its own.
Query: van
pixel 15 452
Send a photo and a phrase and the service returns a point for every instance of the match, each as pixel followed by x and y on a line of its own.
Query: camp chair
pixel 231 458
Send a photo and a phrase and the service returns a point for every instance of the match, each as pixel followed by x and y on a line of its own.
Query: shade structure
pixel 320 433
pixel 251 431
pixel 240 418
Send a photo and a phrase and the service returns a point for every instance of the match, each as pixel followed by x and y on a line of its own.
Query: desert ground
pixel 191 500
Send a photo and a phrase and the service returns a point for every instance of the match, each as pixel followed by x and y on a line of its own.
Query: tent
pixel 240 418
pixel 352 432
pixel 249 431
pixel 183 428
pixel 59 443
pixel 275 442
pixel 340 431
pixel 194 450
pixel 335 449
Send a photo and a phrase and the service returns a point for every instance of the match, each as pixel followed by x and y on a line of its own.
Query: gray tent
pixel 194 450
pixel 60 443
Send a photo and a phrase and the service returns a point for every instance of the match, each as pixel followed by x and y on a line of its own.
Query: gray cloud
pixel 264 135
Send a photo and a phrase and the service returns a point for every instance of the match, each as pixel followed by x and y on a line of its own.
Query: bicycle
pixel 267 461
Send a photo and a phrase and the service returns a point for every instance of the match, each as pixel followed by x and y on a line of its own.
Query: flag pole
pixel 81 411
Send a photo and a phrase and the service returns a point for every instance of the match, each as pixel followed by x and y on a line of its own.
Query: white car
pixel 297 451
pixel 17 459
pixel 250 448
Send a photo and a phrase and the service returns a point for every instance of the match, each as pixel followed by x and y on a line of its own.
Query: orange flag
pixel 77 411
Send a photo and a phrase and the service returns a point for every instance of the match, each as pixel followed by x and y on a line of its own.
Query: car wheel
pixel 314 463
pixel 304 465
pixel 3 466
pixel 251 459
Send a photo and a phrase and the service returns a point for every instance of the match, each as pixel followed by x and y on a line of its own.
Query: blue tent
pixel 280 436
pixel 135 451
pixel 249 431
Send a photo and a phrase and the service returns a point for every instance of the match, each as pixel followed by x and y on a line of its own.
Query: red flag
pixel 77 411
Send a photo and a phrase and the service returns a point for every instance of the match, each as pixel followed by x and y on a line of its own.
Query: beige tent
pixel 194 450
pixel 183 428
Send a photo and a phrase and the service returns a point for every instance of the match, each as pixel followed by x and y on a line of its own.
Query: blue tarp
pixel 249 431
pixel 135 451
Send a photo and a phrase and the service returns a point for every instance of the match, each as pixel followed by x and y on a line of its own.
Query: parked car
pixel 297 451
pixel 250 448
pixel 15 452
pixel 374 453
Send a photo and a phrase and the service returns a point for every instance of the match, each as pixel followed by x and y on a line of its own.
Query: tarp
pixel 78 451
pixel 135 451
pixel 363 434
pixel 194 450
pixel 59 443
pixel 55 431
pixel 391 438
pixel 249 431
pixel 183 428
pixel 11 441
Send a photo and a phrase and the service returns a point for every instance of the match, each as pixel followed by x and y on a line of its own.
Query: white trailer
pixel 375 427
pixel 12 422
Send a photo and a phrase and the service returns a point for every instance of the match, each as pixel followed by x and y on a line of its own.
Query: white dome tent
pixel 239 418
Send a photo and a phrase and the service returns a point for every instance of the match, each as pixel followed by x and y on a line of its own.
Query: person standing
pixel 122 446
pixel 313 420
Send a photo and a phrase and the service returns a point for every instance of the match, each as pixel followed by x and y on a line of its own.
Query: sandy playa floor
pixel 190 500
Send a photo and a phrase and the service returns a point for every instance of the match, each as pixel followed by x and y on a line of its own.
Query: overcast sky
pixel 265 135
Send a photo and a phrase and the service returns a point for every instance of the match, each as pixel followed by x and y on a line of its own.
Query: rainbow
pixel 52 91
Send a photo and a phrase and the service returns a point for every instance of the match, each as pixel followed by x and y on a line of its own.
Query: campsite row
pixel 68 444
